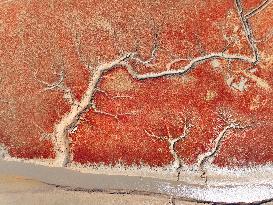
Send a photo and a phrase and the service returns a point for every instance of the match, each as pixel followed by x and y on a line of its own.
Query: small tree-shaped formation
pixel 209 156
pixel 172 142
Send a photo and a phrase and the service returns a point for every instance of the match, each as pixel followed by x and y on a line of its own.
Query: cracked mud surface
pixel 149 85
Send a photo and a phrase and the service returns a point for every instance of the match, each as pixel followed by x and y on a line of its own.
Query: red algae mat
pixel 155 84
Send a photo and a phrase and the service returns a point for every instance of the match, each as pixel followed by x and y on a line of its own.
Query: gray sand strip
pixel 133 184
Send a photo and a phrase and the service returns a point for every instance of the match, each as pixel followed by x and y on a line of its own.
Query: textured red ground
pixel 41 39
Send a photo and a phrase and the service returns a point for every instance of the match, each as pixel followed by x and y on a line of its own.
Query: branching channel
pixel 70 120
pixel 172 141
pixel 209 156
